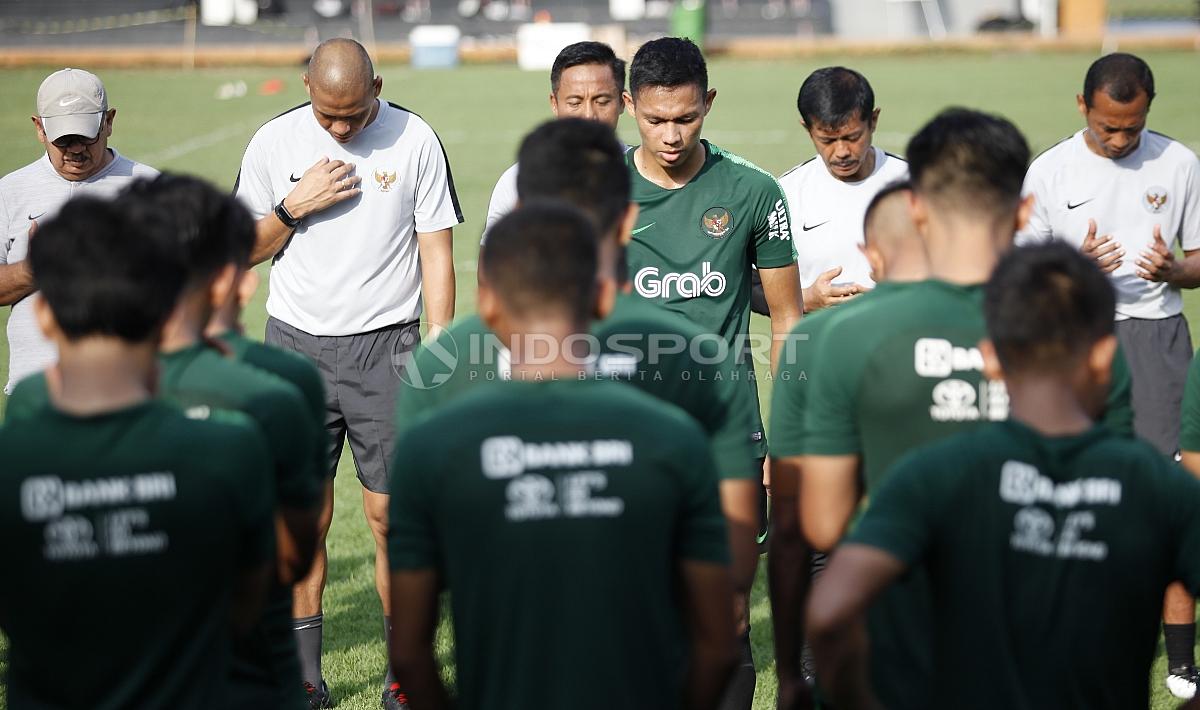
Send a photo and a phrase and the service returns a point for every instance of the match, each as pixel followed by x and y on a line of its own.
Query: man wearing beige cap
pixel 73 123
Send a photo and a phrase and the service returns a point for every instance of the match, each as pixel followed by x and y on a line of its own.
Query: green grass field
pixel 171 120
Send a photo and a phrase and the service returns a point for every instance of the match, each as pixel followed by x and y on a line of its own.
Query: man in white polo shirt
pixel 586 81
pixel 1126 196
pixel 828 197
pixel 356 206
pixel 73 124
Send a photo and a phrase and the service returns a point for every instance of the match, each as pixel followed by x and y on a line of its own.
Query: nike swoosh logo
pixel 293 178
pixel 807 228
pixel 1078 204
pixel 68 102
pixel 642 229
pixel 35 216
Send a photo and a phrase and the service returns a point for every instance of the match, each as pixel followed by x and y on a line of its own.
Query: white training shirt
pixel 1155 184
pixel 827 216
pixel 36 193
pixel 354 267
pixel 504 199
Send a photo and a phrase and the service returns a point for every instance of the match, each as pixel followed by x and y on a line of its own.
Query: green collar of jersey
pixel 710 156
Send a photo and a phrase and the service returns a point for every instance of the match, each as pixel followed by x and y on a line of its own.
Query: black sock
pixel 387 635
pixel 308 642
pixel 1179 639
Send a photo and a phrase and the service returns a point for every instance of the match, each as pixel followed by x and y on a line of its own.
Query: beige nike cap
pixel 71 102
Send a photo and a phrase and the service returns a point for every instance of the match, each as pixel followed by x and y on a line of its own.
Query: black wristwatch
pixel 286 217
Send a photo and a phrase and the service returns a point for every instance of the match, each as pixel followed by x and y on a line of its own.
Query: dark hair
pixel 834 95
pixel 669 62
pixel 974 159
pixel 577 161
pixel 1045 305
pixel 888 190
pixel 1121 76
pixel 581 53
pixel 211 228
pixel 103 274
pixel 542 257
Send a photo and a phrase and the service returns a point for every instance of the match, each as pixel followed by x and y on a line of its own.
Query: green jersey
pixel 694 246
pixel 291 367
pixel 1048 558
pixel 201 379
pixel 463 356
pixel 557 513
pixel 1189 433
pixel 279 642
pixel 105 521
pixel 900 370
pixel 789 401
pixel 673 359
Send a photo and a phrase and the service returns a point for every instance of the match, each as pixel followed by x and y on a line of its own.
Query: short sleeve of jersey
pixel 1118 409
pixel 733 451
pixel 1181 496
pixel 702 536
pixel 248 462
pixel 291 436
pixel 1189 434
pixel 830 426
pixel 504 199
pixel 1037 229
pixel 436 202
pixel 28 397
pixel 1189 226
pixel 302 374
pixel 253 186
pixel 412 535
pixel 902 515
pixel 772 233
pixel 789 398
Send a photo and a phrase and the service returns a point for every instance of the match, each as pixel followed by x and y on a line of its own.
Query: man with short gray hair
pixel 73 123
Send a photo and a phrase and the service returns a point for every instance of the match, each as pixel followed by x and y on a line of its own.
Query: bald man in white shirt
pixel 356 206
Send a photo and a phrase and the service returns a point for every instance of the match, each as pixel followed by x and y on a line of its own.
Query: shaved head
pixel 343 88
pixel 340 66
pixel 892 243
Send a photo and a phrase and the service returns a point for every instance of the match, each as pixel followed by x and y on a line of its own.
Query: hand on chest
pixel 1128 208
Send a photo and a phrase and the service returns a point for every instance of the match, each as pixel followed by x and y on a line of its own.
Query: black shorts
pixel 361 378
pixel 1159 353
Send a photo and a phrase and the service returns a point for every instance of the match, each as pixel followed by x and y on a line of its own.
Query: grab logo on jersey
pixel 686 285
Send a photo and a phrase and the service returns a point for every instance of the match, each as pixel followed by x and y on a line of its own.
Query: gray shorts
pixel 1159 353
pixel 360 381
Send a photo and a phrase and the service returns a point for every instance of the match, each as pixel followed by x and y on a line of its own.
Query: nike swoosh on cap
pixel 293 178
pixel 642 229
pixel 1078 204
pixel 35 216
pixel 807 228
pixel 68 102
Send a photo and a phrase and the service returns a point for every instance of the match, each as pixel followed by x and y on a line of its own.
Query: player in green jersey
pixel 1048 540
pixel 896 255
pixel 225 326
pixel 657 351
pixel 903 369
pixel 706 215
pixel 582 544
pixel 214 235
pixel 107 496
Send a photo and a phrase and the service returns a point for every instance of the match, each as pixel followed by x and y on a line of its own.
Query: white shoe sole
pixel 1181 687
